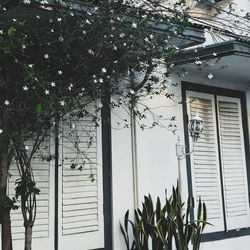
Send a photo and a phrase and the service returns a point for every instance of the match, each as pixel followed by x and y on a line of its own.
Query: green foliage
pixel 158 227
pixel 25 187
pixel 10 203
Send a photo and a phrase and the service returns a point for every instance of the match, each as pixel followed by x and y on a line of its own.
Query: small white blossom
pixel 101 80
pixel 53 84
pixel 122 35
pixel 146 39
pixel 44 2
pixel 134 25
pixel 31 66
pixel 87 21
pixel 14 20
pixel 70 87
pixel 59 72
pixel 62 103
pixel 61 38
pixel 25 88
pixel 91 52
pixel 115 47
pixel 151 36
pixel 27 148
pixel 59 19
pixel 24 46
pixel 52 30
pixel 171 65
pixel 26 1
pixel 1 131
pixel 38 17
pixel 132 92
pixel 198 62
pixel 210 76
pixel 214 54
pixel 6 102
pixel 46 56
pixel 1 32
pixel 104 70
pixel 46 92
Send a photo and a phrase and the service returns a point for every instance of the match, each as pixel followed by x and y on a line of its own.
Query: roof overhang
pixel 226 61
pixel 192 35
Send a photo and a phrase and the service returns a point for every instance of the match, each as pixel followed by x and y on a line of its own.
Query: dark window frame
pixel 189 86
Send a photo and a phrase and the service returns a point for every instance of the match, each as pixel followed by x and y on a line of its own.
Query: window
pixel 217 167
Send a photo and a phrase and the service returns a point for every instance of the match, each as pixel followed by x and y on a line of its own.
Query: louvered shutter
pixel 233 162
pixel 205 168
pixel 81 201
pixel 41 229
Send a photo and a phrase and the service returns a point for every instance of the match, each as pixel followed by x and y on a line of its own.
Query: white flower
pixel 14 20
pixel 27 148
pixel 210 76
pixel 61 38
pixel 6 102
pixel 1 131
pixel 115 47
pixel 122 35
pixel 87 21
pixel 46 92
pixel 59 19
pixel 91 52
pixel 62 103
pixel 132 92
pixel 44 2
pixel 214 54
pixel 104 70
pixel 134 25
pixel 151 36
pixel 24 46
pixel 70 86
pixel 26 1
pixel 1 32
pixel 59 72
pixel 25 88
pixel 171 65
pixel 46 56
pixel 31 66
pixel 101 80
pixel 38 17
pixel 146 39
pixel 115 61
pixel 52 30
pixel 53 84
pixel 198 62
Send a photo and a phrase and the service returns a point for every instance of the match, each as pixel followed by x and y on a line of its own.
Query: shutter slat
pixel 234 162
pixel 80 197
pixel 205 160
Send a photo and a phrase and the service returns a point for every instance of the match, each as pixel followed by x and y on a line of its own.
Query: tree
pixel 54 61
pixel 57 58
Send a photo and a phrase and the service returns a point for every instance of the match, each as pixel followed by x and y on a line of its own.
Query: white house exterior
pixel 75 213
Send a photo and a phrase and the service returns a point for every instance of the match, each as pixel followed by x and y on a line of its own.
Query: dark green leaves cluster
pixel 157 228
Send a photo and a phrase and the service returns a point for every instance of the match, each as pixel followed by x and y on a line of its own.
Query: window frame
pixel 189 86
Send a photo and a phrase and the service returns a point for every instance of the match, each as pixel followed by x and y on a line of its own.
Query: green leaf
pixel 39 108
pixel 11 31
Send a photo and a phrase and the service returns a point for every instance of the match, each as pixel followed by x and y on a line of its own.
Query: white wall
pixel 157 162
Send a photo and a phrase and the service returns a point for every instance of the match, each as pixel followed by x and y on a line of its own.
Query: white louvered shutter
pixel 42 233
pixel 81 201
pixel 233 162
pixel 206 180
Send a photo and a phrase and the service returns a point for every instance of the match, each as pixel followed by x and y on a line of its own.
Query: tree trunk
pixel 4 211
pixel 28 236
